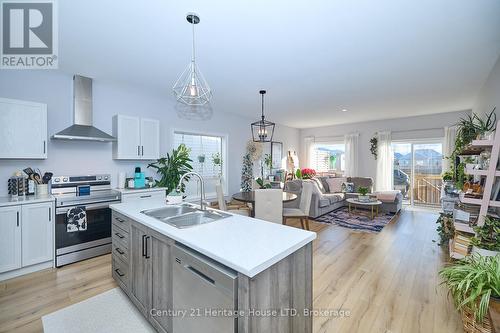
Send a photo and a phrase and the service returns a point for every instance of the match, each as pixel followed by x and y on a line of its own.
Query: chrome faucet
pixel 202 194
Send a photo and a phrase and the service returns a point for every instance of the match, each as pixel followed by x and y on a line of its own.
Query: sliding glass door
pixel 417 171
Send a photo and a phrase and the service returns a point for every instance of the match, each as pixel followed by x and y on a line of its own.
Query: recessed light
pixel 344 110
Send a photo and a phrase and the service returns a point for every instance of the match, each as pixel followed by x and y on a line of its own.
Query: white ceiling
pixel 378 59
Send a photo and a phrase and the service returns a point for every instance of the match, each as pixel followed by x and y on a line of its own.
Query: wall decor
pixel 276 154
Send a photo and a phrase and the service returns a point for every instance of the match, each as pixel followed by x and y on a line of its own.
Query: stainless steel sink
pixel 183 216
pixel 169 211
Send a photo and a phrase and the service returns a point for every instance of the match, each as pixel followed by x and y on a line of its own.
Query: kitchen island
pixel 272 265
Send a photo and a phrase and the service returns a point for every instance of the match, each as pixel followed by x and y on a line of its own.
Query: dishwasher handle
pixel 200 274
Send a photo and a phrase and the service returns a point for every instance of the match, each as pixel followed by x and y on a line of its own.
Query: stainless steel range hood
pixel 82 128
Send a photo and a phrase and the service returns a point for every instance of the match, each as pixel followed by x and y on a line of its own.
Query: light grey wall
pixel 489 95
pixel 421 127
pixel 55 89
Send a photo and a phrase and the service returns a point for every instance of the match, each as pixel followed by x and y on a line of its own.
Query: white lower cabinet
pixel 37 233
pixel 10 238
pixel 26 238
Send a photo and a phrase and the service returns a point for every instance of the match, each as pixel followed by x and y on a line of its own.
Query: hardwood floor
pixel 387 282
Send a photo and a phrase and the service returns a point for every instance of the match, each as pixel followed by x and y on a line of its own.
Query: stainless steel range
pixel 83 216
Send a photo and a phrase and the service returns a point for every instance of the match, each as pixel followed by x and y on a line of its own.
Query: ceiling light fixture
pixel 262 130
pixel 191 87
pixel 344 110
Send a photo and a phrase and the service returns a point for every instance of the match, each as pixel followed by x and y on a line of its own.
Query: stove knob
pixel 65 179
pixel 57 180
pixel 106 178
pixel 99 178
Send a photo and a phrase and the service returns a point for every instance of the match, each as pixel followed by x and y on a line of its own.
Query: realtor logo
pixel 29 34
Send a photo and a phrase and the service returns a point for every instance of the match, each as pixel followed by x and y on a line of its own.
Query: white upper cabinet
pixel 150 139
pixel 23 129
pixel 136 138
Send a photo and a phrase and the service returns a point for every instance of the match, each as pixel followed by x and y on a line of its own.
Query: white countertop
pixel 140 190
pixel 28 199
pixel 244 244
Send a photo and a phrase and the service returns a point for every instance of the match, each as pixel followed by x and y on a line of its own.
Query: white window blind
pixel 203 150
pixel 328 157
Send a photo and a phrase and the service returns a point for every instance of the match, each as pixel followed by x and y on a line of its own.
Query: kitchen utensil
pixel 36 178
pixel 47 177
pixel 29 171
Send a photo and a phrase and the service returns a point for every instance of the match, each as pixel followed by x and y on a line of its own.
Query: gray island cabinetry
pixel 265 298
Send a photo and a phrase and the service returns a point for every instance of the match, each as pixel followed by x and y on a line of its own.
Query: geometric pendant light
pixel 191 87
pixel 262 130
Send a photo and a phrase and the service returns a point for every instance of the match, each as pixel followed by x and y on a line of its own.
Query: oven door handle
pixel 64 210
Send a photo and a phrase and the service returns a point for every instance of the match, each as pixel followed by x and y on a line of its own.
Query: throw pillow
pixel 348 187
pixel 319 184
pixel 335 184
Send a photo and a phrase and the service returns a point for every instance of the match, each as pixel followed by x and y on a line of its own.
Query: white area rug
pixel 108 312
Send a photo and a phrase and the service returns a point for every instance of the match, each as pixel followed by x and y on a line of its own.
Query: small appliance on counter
pixel 139 178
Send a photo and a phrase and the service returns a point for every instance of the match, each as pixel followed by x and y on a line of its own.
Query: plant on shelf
pixel 472 282
pixel 172 167
pixel 308 173
pixel 445 228
pixel 374 145
pixel 447 176
pixel 261 184
pixel 487 237
pixel 486 127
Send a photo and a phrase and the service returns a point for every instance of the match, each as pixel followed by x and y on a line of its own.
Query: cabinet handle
pixel 143 248
pixel 145 196
pixel 147 251
pixel 120 251
pixel 50 214
pixel 119 219
pixel 44 145
pixel 119 273
pixel 119 235
pixel 138 150
pixel 17 213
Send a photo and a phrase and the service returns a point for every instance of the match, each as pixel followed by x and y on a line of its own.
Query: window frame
pixel 224 154
pixel 326 143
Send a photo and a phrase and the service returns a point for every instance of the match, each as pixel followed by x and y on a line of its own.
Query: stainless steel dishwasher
pixel 207 292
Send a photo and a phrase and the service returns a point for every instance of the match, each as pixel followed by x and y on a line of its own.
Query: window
pixel 208 155
pixel 328 157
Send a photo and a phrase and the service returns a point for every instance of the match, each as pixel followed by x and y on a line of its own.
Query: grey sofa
pixel 323 201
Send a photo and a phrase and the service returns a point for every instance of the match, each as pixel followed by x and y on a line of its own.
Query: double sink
pixel 185 215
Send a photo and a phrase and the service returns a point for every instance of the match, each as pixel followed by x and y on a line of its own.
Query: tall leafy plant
pixel 472 282
pixel 172 167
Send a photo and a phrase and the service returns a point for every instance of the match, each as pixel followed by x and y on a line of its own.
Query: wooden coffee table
pixel 373 205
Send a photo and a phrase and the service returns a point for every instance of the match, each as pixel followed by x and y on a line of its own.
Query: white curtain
pixel 450 134
pixel 351 154
pixel 385 173
pixel 308 142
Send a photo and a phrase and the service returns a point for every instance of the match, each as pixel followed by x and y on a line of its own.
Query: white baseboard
pixel 26 270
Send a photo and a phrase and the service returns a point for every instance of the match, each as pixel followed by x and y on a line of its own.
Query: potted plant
pixel 486 127
pixel 486 242
pixel 217 162
pixel 171 168
pixel 261 184
pixel 374 146
pixel 363 194
pixel 445 228
pixel 308 173
pixel 473 282
pixel 201 158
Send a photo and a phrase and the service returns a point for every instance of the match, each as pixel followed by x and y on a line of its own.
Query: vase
pixel 484 252
pixel 363 198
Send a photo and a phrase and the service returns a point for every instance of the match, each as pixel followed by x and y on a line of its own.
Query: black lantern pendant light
pixel 263 130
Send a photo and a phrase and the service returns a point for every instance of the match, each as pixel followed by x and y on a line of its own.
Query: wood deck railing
pixel 427 189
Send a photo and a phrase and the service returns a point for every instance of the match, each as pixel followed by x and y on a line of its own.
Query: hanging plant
pixel 374 146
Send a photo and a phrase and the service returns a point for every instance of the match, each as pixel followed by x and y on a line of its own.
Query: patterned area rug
pixel 356 221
